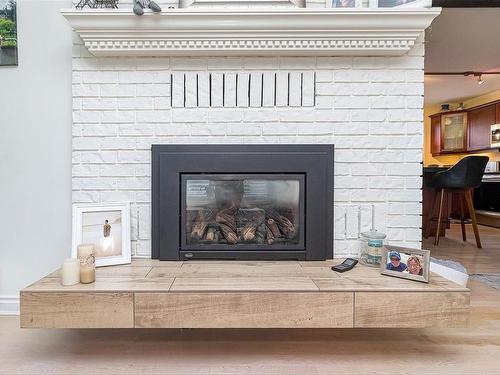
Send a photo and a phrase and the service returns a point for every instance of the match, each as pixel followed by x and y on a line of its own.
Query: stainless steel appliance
pixel 495 135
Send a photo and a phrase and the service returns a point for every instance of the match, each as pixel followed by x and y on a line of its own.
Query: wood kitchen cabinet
pixel 479 127
pixel 463 131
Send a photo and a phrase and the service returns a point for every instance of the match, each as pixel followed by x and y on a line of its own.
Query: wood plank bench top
pixel 246 294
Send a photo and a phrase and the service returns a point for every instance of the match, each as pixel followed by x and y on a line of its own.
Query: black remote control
pixel 346 265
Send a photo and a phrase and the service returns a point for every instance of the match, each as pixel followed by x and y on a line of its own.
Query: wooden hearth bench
pixel 243 294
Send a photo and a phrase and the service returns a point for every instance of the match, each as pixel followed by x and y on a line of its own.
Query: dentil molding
pixel 256 32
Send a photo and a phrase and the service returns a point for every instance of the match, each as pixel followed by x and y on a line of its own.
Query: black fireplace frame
pixel 170 162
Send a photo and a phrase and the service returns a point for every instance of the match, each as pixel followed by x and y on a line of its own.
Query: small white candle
pixel 70 272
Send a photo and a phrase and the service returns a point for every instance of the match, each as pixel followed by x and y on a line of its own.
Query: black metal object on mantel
pixel 94 4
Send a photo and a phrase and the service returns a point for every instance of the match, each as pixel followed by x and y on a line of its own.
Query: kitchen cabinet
pixel 468 130
pixel 436 135
pixel 479 127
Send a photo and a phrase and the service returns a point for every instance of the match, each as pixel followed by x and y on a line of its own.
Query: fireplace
pixel 265 202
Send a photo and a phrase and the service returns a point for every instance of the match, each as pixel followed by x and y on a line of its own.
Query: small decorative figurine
pixel 139 6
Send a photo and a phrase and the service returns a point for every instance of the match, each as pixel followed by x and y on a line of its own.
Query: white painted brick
pixel 334 62
pixel 99 104
pixel 315 128
pixel 121 143
pixel 255 89
pixel 302 63
pixel 153 63
pixel 268 89
pixel 230 90
pixel 134 183
pixel 208 129
pixel 189 115
pixel 154 116
pixel 116 170
pixel 331 88
pixel 161 103
pixel 117 90
pixel 87 143
pixel 99 77
pixel 281 89
pixel 143 170
pixel 116 196
pixel 143 248
pixel 348 102
pixel 82 90
pixel 217 93
pixel 308 87
pixel 178 90
pixel 261 63
pixel 406 115
pixel 172 129
pixel 279 128
pixel 144 217
pixel 142 196
pixel 243 99
pixel 117 117
pixel 203 89
pixel 85 171
pixel 260 115
pixel 134 156
pixel 191 87
pixel 93 130
pixel 224 63
pixel 86 117
pixel 370 115
pixel 85 196
pixel 225 115
pixel 244 129
pixel 153 90
pixel 94 183
pixel 188 63
pixel 135 130
pixel 138 103
pixel 136 77
pixel 295 94
pixel 97 157
pixel 388 102
pixel 115 63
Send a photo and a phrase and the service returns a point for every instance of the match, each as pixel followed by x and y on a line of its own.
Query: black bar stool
pixel 462 178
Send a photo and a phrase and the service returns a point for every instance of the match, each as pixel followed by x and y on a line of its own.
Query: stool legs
pixel 440 214
pixel 461 198
pixel 472 212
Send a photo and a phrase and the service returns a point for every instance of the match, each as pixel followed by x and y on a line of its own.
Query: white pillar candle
pixel 70 272
pixel 86 255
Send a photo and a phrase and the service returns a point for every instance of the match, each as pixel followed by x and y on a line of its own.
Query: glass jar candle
pixel 372 248
pixel 86 256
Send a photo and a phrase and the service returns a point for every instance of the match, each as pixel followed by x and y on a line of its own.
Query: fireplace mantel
pixel 251 32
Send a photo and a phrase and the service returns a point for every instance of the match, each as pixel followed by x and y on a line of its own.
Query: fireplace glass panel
pixel 243 210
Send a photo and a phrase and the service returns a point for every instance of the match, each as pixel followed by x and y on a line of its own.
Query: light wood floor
pixel 475 350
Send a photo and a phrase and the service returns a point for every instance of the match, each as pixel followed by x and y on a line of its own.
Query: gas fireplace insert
pixel 242 202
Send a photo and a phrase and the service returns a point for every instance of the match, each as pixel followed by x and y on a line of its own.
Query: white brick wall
pixel 369 107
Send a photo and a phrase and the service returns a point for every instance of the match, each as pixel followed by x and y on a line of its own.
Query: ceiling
pixel 460 40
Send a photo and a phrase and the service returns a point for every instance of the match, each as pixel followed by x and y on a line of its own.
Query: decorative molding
pixel 266 31
pixel 9 305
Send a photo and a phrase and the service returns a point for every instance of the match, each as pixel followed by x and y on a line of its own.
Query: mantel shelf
pixel 266 31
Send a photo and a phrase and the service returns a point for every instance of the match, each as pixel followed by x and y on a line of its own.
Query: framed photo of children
pixel 412 264
pixel 107 227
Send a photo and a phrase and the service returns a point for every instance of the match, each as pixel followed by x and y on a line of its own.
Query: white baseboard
pixel 9 305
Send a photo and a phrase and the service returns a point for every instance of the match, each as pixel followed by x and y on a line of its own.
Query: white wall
pixel 35 148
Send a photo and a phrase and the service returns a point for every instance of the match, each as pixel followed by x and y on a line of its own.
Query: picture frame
pixel 107 226
pixel 419 260
pixel 8 33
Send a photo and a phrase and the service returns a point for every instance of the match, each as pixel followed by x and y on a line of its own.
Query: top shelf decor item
pixel 97 4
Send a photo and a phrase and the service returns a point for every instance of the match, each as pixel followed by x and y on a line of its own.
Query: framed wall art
pixel 8 32
pixel 107 227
